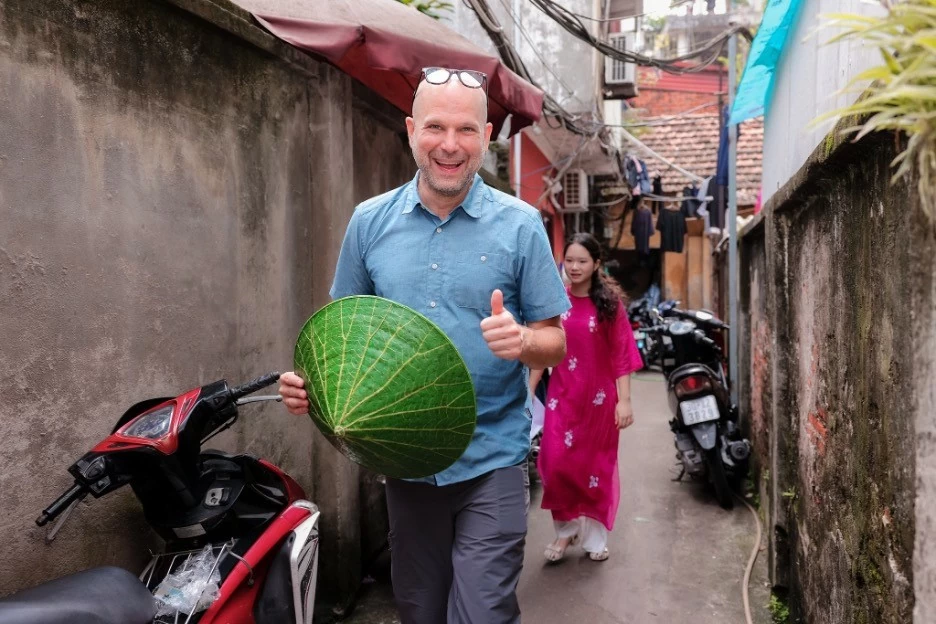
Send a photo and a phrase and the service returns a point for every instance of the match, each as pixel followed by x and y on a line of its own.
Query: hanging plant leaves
pixel 386 386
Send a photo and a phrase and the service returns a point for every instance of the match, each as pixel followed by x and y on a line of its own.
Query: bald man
pixel 476 262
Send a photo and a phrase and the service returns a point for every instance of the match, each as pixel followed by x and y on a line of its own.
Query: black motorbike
pixel 708 440
pixel 640 314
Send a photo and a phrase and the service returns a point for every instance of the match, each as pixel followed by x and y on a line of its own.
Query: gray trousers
pixel 457 550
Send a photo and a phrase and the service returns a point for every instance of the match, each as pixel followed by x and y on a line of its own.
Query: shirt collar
pixel 472 205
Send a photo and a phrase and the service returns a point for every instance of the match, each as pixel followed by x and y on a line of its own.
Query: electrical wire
pixel 558 163
pixel 705 55
pixel 665 120
pixel 588 130
pixel 608 203
pixel 516 20
pixel 549 186
pixel 514 62
pixel 672 165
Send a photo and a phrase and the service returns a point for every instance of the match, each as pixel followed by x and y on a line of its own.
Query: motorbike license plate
pixel 699 410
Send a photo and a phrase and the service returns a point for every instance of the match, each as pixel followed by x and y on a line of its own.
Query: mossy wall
pixel 836 292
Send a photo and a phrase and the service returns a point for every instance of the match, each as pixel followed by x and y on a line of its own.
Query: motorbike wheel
pixel 719 478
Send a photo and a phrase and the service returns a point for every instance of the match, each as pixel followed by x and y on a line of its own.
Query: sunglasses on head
pixel 441 75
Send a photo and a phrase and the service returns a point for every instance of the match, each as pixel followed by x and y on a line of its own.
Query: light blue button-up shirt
pixel 397 249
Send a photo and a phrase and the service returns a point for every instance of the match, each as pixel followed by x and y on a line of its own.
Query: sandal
pixel 599 556
pixel 554 554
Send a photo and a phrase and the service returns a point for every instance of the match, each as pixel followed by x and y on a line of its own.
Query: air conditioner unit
pixel 616 71
pixel 575 191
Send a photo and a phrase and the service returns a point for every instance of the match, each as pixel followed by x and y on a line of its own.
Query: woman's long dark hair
pixel 604 291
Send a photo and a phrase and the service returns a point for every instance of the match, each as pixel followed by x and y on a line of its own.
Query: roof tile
pixel 691 142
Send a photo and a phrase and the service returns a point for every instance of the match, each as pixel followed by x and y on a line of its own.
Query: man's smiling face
pixel 449 135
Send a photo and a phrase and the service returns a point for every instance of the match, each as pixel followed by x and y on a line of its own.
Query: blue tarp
pixel 756 86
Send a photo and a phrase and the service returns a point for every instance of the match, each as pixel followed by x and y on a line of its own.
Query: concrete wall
pixel 837 353
pixel 807 85
pixel 174 185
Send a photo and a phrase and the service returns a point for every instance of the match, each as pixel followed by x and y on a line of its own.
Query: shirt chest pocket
pixel 477 274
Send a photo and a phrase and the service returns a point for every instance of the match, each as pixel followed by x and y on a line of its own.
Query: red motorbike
pixel 240 522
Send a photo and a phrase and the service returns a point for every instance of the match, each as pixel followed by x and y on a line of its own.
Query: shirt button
pixel 434 266
pixel 483 258
pixel 438 230
pixel 432 304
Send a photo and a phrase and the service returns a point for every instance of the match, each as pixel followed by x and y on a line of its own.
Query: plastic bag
pixel 192 588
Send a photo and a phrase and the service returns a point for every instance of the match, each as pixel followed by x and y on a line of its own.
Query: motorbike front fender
pixel 706 434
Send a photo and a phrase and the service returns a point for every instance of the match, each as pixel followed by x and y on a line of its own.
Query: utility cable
pixel 533 46
pixel 707 53
pixel 514 62
pixel 549 186
pixel 666 120
pixel 750 565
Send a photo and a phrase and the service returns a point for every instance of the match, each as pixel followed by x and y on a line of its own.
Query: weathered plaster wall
pixel 173 192
pixel 836 385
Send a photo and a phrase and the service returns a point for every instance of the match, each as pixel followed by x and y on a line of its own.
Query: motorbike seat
pixel 693 368
pixel 105 595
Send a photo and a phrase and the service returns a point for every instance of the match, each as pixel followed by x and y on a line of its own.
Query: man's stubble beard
pixel 423 164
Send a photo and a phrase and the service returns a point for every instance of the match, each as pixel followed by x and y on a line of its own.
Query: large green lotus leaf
pixel 386 386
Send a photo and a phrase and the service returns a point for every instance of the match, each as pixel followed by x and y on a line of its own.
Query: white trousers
pixel 593 536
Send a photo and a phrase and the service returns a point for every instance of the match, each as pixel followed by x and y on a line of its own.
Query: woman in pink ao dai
pixel 587 405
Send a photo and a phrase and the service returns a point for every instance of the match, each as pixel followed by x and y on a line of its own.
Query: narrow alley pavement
pixel 676 556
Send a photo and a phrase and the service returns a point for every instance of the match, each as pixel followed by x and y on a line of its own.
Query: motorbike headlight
pixel 151 425
pixel 681 328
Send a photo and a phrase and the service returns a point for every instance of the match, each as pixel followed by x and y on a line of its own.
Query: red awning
pixel 385 44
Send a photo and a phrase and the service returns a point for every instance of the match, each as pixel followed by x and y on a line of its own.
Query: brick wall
pixel 654 102
pixel 669 94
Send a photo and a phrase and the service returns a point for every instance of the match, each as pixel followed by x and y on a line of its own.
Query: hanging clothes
pixel 706 190
pixel 672 228
pixel 690 203
pixel 637 177
pixel 645 186
pixel 642 229
pixel 721 166
pixel 720 207
pixel 658 191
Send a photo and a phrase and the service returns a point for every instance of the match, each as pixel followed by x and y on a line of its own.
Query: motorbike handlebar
pixel 74 493
pixel 250 387
pixel 703 339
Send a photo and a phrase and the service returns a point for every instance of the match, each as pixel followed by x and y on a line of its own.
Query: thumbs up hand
pixel 503 334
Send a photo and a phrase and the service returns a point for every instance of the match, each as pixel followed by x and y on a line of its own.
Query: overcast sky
pixel 659 7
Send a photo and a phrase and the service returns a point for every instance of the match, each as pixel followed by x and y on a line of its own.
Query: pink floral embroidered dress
pixel 578 456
